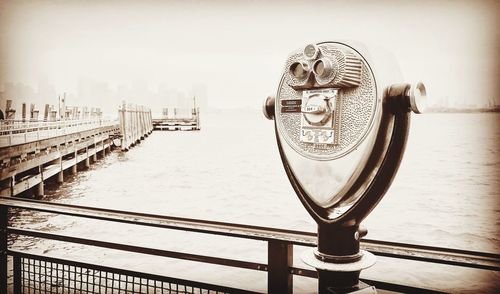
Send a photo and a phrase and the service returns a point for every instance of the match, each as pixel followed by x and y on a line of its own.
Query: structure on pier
pixel 171 121
pixel 50 112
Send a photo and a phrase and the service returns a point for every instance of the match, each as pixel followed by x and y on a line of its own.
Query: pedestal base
pixel 336 278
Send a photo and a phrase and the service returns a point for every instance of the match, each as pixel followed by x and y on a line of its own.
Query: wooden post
pixel 46 113
pixel 134 124
pixel 23 114
pixel 197 118
pixel 150 122
pixel 60 175
pixel 62 108
pixel 87 159
pixel 12 185
pixel 130 134
pixel 279 260
pixel 74 168
pixel 130 121
pixel 128 131
pixel 136 129
pixel 94 157
pixel 53 115
pixel 123 128
pixel 141 123
pixel 4 223
pixel 32 112
pixel 144 122
pixel 40 191
pixel 10 113
pixel 130 125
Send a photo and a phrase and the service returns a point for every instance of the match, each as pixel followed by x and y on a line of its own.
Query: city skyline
pixel 102 95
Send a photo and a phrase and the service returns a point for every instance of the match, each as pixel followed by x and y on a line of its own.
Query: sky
pixel 235 50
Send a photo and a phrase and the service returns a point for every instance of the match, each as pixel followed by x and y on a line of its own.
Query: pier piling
pixel 74 168
pixel 39 190
pixel 60 175
pixel 87 159
pixel 135 124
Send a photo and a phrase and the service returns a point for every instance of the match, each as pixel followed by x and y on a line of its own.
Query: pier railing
pixel 15 132
pixel 32 272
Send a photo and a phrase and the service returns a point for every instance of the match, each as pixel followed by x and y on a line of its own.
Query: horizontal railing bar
pixel 124 272
pixel 303 272
pixel 472 259
pixel 391 244
pixel 138 249
pixel 177 223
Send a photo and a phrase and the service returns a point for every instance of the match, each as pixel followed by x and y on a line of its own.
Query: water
pixel 445 194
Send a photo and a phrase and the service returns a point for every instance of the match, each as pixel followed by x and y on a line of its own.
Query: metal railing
pixel 30 271
pixel 14 132
pixel 29 125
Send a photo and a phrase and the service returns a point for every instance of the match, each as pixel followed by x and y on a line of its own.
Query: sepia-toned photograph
pixel 257 146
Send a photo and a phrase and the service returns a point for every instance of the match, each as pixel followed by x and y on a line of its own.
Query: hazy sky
pixel 237 49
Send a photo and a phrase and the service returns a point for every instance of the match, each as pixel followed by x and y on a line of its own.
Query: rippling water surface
pixel 445 194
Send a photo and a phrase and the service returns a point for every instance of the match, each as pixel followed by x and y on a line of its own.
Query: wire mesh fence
pixel 46 275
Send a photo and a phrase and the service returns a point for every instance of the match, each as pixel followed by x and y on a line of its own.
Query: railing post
pixel 3 248
pixel 17 274
pixel 279 260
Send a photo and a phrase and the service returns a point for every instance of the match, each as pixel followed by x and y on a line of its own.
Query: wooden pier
pixel 33 151
pixel 172 121
pixel 176 123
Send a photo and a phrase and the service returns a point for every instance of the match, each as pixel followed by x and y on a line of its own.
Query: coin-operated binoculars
pixel 341 117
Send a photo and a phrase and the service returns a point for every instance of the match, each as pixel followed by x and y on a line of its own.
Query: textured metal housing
pixel 356 105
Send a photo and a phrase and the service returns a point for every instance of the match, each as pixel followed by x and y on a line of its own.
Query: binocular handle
pixel 268 107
